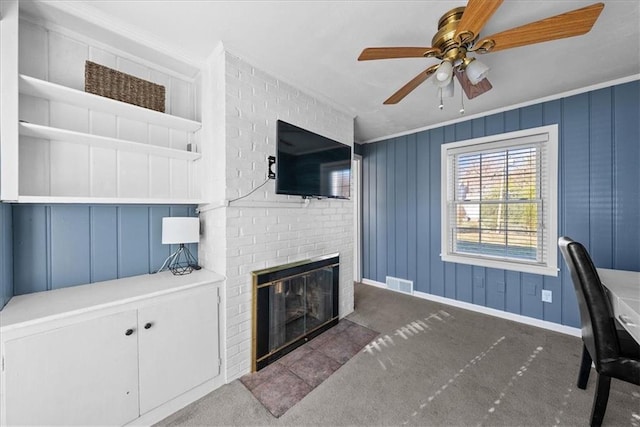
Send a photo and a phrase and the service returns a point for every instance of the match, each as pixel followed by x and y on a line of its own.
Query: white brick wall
pixel 265 229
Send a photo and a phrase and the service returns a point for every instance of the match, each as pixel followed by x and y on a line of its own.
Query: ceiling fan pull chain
pixel 461 103
pixel 441 106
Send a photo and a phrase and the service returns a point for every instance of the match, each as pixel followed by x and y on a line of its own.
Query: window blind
pixel 497 201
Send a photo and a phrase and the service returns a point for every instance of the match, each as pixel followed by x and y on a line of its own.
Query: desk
pixel 624 293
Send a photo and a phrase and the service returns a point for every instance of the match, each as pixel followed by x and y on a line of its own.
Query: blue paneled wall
pixel 599 202
pixel 6 254
pixel 56 246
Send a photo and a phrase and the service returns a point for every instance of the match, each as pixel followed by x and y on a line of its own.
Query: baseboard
pixel 174 405
pixel 374 283
pixel 544 324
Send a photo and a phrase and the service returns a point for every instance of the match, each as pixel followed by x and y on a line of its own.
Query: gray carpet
pixel 437 365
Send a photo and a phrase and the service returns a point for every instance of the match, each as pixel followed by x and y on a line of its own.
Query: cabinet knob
pixel 128 332
pixel 148 325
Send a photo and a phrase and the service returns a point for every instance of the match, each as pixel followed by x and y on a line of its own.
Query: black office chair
pixel 614 352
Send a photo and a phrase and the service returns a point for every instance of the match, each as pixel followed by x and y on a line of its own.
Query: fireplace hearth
pixel 292 303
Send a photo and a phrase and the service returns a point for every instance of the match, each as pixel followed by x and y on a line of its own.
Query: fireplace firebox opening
pixel 293 303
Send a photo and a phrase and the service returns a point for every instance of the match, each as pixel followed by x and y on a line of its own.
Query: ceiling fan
pixel 458 35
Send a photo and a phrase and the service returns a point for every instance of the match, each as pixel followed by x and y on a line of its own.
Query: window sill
pixel 546 270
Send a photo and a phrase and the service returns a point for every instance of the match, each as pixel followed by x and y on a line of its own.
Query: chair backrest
pixel 598 327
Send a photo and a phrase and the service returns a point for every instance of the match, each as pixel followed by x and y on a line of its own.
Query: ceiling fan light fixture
pixel 476 71
pixel 447 91
pixel 444 72
pixel 444 83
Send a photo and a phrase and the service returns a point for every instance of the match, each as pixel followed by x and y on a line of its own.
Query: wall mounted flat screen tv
pixel 311 165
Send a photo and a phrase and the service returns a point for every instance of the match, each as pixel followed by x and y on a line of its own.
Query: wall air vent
pixel 400 285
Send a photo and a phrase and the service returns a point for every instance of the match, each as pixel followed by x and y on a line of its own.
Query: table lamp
pixel 180 230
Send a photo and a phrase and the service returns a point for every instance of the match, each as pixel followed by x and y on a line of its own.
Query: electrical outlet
pixel 546 295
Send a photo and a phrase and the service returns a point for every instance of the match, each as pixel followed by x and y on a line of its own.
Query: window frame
pixel 549 200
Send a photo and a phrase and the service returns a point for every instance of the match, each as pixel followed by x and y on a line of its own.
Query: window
pixel 499 197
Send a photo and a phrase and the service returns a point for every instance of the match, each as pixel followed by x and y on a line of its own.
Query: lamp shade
pixel 476 71
pixel 177 230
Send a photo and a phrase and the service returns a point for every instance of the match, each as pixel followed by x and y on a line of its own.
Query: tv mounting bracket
pixel 272 161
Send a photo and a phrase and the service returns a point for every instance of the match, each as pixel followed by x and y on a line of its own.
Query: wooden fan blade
pixel 469 88
pixel 475 16
pixel 569 24
pixel 414 83
pixel 397 52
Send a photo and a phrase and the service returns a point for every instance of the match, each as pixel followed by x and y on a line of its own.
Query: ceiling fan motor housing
pixel 444 39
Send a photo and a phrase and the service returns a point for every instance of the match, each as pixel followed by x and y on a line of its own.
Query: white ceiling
pixel 314 45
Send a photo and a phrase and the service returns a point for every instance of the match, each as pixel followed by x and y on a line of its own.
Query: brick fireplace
pixel 264 229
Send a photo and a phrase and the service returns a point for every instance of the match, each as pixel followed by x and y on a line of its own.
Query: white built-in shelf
pixel 107 200
pixel 57 134
pixel 54 92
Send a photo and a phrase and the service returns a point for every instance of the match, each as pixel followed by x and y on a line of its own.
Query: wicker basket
pixel 110 83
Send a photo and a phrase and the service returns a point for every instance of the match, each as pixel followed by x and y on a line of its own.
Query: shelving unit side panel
pixel 9 134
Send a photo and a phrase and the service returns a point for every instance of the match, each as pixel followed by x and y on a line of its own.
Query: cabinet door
pixel 83 374
pixel 178 346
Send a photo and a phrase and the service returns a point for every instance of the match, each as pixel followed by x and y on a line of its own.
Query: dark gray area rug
pixel 285 382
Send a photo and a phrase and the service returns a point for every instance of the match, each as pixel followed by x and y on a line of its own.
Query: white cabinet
pixel 108 353
pixel 178 347
pixel 63 145
pixel 82 374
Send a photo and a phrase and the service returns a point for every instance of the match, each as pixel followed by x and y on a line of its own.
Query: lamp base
pixel 180 262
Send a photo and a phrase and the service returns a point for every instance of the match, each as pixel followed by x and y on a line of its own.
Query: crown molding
pixel 560 95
